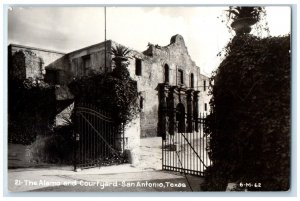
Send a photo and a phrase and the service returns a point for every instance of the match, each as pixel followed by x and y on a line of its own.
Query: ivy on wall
pixel 31 109
pixel 249 124
pixel 115 92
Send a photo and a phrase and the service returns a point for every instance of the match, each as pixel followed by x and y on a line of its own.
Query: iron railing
pixel 187 152
pixel 97 138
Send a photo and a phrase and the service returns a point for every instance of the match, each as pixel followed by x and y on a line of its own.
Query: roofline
pixel 34 48
pixel 90 46
pixel 205 75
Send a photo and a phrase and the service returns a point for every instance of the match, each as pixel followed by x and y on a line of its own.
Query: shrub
pixel 249 124
pixel 31 109
pixel 115 92
pixel 56 147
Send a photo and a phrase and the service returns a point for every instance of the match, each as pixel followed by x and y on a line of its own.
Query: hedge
pixel 249 124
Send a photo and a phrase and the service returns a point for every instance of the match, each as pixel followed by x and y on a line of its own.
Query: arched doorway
pixel 180 117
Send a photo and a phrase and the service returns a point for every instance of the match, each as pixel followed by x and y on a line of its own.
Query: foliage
pixel 255 15
pixel 120 55
pixel 238 12
pixel 56 147
pixel 115 92
pixel 49 149
pixel 249 124
pixel 31 109
pixel 120 51
pixel 108 92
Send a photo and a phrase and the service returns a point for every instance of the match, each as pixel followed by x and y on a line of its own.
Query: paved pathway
pixel 147 176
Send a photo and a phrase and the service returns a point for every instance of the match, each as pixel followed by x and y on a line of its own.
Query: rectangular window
pixel 205 106
pixel 86 63
pixel 204 85
pixel 180 76
pixel 138 67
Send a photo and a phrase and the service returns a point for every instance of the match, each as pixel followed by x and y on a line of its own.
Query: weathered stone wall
pixel 96 56
pixel 17 66
pixel 154 59
pixel 83 62
pixel 147 84
pixel 25 62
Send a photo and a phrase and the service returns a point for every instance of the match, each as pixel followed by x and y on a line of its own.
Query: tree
pixel 120 55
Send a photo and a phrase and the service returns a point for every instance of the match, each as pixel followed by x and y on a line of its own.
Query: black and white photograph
pixel 112 98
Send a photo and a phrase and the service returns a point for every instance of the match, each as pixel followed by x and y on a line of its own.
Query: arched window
pixel 180 117
pixel 192 80
pixel 166 73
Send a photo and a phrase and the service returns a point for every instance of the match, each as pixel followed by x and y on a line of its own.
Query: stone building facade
pixel 29 62
pixel 153 68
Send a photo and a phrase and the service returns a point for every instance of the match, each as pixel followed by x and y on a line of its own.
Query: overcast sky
pixel 69 28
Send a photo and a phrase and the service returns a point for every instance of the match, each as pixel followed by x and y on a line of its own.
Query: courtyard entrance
pixel 186 150
pixel 181 126
pixel 98 140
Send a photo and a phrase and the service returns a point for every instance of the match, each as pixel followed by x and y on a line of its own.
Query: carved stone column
pixel 196 109
pixel 172 110
pixel 162 110
pixel 189 98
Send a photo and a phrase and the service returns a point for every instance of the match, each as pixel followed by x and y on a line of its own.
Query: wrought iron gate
pixel 97 138
pixel 186 150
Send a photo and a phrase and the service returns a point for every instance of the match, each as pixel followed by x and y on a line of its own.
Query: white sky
pixel 69 28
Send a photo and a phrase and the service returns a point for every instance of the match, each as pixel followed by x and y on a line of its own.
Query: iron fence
pixel 97 138
pixel 187 151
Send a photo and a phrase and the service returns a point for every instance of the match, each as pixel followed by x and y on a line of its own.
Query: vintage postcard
pixel 149 98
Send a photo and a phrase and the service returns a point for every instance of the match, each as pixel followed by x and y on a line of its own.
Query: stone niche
pixel 178 110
